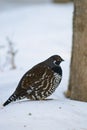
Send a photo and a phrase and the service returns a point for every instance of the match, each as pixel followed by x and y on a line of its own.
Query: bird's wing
pixel 35 77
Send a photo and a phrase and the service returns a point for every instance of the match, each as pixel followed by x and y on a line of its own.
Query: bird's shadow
pixel 27 100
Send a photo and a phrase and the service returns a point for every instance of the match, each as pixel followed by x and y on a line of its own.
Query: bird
pixel 40 81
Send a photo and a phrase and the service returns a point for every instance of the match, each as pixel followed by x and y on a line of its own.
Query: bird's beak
pixel 62 59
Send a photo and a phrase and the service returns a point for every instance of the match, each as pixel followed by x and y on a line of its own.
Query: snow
pixel 39 31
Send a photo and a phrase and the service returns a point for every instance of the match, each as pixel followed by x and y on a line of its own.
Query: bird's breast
pixel 57 79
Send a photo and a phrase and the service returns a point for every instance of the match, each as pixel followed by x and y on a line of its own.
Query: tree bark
pixel 77 88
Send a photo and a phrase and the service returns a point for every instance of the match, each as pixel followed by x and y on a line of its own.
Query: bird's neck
pixel 57 69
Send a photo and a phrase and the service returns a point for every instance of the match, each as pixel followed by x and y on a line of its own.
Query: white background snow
pixel 38 32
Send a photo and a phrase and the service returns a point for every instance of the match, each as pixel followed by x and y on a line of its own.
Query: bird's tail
pixel 12 98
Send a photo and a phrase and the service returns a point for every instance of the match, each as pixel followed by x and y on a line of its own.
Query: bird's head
pixel 54 60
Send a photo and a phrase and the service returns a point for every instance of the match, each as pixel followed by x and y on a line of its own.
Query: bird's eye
pixel 54 62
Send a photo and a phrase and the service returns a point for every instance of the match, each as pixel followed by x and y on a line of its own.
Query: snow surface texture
pixel 39 31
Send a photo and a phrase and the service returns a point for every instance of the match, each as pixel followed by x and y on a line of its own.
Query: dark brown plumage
pixel 40 81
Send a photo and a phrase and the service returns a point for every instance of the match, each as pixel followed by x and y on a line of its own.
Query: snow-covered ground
pixel 39 31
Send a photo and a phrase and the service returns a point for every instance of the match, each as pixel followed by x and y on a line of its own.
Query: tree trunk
pixel 78 70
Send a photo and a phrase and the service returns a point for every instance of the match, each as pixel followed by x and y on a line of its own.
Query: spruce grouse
pixel 40 81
